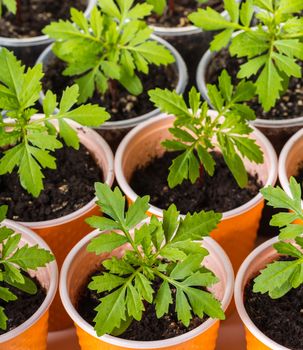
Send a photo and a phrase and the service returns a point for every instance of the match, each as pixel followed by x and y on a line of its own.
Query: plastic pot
pixel 114 131
pixel 277 131
pixel 63 233
pixel 28 49
pixel 239 226
pixel 290 159
pixel 257 260
pixel 32 334
pixel 78 266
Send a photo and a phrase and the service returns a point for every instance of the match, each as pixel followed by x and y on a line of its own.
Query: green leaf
pixel 170 221
pixel 106 242
pixel 183 308
pixel 134 303
pixel 103 223
pixel 118 266
pixel 106 282
pixel 3 213
pixel 163 300
pixel 288 249
pixel 273 277
pixel 88 115
pixel 110 312
pixel 3 319
pixel 196 226
pixel 28 286
pixel 143 285
pixel 69 134
pixel 137 212
pixel 111 202
pixel 210 19
pixel 7 295
pixel 69 98
pixel 31 257
pixel 169 102
pixel 269 85
pixel 188 266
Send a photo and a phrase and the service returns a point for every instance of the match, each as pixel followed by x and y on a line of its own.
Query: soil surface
pixel 34 15
pixel 279 319
pixel 150 327
pixel 290 104
pixel 126 105
pixel 24 307
pixel 213 193
pixel 182 8
pixel 66 189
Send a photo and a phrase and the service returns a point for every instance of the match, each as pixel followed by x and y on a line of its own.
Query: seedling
pixel 167 250
pixel 279 277
pixel 11 6
pixel 15 262
pixel 28 142
pixel 113 45
pixel 159 6
pixel 196 134
pixel 272 48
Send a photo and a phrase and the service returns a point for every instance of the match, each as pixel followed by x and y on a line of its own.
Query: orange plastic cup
pixel 237 231
pixel 32 334
pixel 256 261
pixel 79 264
pixel 63 233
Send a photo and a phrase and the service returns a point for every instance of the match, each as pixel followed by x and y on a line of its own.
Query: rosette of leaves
pixel 196 134
pixel 167 250
pixel 10 5
pixel 159 6
pixel 27 142
pixel 113 45
pixel 279 277
pixel 272 48
pixel 15 262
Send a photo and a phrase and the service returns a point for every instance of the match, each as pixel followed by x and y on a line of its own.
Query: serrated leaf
pixel 163 300
pixel 106 242
pixel 170 221
pixel 111 202
pixel 183 308
pixel 134 303
pixel 137 211
pixel 106 282
pixel 7 295
pixel 143 285
pixel 110 312
pixel 187 267
pixel 196 226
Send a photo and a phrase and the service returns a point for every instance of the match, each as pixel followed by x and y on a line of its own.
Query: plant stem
pixel 113 90
pixel 171 6
pixel 18 13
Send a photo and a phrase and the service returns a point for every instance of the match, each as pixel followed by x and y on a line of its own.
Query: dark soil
pixel 289 106
pixel 279 319
pixel 24 307
pixel 66 189
pixel 150 327
pixel 219 193
pixel 126 105
pixel 178 18
pixel 34 15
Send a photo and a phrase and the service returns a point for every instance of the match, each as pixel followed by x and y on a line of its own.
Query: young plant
pixel 159 6
pixel 15 262
pixel 10 5
pixel 28 141
pixel 113 45
pixel 272 48
pixel 164 250
pixel 279 277
pixel 195 133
